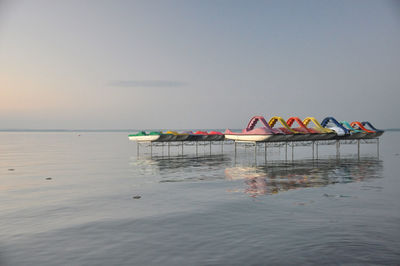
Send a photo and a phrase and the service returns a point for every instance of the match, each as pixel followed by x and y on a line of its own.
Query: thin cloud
pixel 147 83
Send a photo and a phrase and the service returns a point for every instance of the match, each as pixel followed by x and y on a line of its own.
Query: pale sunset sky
pixel 77 64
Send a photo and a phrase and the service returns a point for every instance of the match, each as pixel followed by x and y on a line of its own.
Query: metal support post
pixel 292 151
pixel 377 147
pixel 137 148
pixel 337 148
pixel 255 152
pixel 358 149
pixel 222 147
pixel 169 144
pixel 235 150
pixel 285 151
pixel 265 151
pixel 182 148
pixel 316 149
pixel 210 148
pixel 312 144
pixel 151 149
pixel 197 148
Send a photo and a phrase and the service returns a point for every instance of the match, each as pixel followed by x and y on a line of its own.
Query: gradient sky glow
pixel 196 64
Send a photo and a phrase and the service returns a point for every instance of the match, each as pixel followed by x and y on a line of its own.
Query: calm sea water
pixel 87 199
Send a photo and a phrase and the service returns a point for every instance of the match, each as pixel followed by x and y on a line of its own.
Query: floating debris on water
pixel 336 196
pixel 365 187
pixel 303 203
pixel 11 169
pixel 170 181
pixel 136 197
pixel 49 178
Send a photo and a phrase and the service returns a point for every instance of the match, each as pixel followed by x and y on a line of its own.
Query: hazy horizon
pixel 196 64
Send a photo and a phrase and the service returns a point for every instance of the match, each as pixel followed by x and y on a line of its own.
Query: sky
pixel 81 64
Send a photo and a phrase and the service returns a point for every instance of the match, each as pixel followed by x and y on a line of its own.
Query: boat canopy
pixel 143 133
pixel 368 124
pixel 275 119
pixel 291 121
pixel 349 127
pixel 328 119
pixel 360 126
pixel 318 126
pixel 254 120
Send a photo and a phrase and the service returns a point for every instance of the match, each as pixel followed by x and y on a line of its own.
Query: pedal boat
pixel 354 133
pixel 341 132
pixel 311 134
pixel 252 134
pixel 178 136
pixel 290 134
pixel 192 136
pixel 323 133
pixel 278 135
pixel 367 125
pixel 153 136
pixel 370 134
pixel 255 135
pixel 219 136
pixel 205 136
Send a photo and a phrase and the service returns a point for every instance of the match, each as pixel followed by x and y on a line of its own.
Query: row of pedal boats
pixel 293 129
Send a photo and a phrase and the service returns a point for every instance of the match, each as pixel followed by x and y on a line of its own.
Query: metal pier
pixel 176 148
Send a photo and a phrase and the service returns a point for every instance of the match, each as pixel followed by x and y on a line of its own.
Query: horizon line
pixel 114 130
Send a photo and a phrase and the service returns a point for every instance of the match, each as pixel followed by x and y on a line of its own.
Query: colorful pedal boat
pixel 378 132
pixel 142 136
pixel 324 133
pixel 258 134
pixel 178 136
pixel 252 134
pixel 210 136
pixel 278 135
pixel 311 134
pixel 341 132
pixel 354 133
pixel 219 136
pixel 370 134
pixel 192 136
pixel 290 134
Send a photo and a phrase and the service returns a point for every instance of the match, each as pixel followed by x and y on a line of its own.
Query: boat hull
pixel 182 137
pixel 277 138
pixel 148 138
pixel 166 137
pixel 325 136
pixel 248 138
pixel 357 135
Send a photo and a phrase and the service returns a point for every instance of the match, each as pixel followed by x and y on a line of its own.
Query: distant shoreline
pixel 88 130
pixel 392 129
pixel 108 130
pixel 67 130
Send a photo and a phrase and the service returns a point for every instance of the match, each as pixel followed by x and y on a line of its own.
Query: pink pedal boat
pixel 252 134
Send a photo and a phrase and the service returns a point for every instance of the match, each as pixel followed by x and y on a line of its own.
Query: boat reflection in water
pixel 263 179
pixel 181 168
pixel 277 177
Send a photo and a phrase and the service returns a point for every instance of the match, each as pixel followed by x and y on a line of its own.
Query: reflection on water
pixel 182 168
pixel 277 177
pixel 269 178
